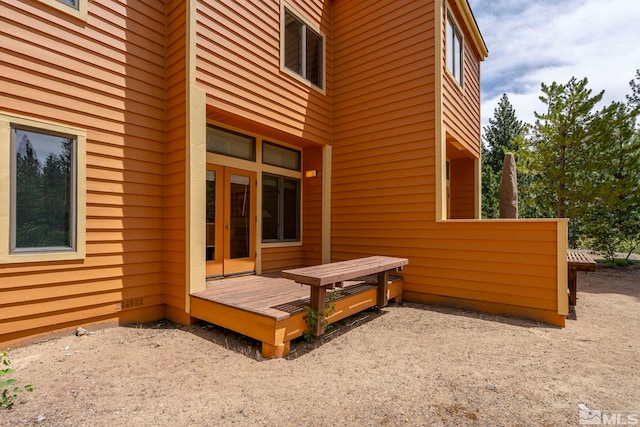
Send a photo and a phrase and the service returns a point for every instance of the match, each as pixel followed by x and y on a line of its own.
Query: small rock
pixel 80 331
pixel 40 418
pixel 492 387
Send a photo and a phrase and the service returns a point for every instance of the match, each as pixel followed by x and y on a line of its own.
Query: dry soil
pixel 408 365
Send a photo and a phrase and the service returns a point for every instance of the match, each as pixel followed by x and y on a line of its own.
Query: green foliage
pixel 312 317
pixel 501 136
pixel 8 386
pixel 634 98
pixel 581 161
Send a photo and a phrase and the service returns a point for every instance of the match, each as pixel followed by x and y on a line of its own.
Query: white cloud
pixel 535 41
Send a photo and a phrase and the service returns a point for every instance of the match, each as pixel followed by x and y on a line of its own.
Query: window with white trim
pixel 302 49
pixel 454 44
pixel 42 205
pixel 77 8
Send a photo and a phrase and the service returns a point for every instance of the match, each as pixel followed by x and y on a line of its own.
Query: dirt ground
pixel 404 366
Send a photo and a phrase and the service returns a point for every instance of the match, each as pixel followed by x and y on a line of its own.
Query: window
pixel 277 155
pixel 77 8
pixel 280 209
pixel 454 44
pixel 233 144
pixel 73 3
pixel 42 203
pixel 303 50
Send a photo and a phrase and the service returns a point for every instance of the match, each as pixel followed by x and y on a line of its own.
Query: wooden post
pixel 383 288
pixel 318 304
pixel 573 281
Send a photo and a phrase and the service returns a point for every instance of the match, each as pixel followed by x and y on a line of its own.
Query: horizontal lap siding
pixel 384 127
pixel 513 263
pixel 462 189
pixel 312 207
pixel 461 106
pixel 238 65
pixel 383 192
pixel 281 258
pixel 106 76
pixel 175 179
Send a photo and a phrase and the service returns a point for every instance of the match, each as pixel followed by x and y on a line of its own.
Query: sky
pixel 535 41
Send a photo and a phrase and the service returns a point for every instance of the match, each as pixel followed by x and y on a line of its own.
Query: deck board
pixel 262 295
pixel 271 309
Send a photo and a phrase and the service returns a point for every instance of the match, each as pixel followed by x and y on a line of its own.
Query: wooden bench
pixel 331 275
pixel 577 261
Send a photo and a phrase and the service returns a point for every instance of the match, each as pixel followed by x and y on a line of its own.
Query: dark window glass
pixel 44 197
pixel 303 50
pixel 314 58
pixel 277 155
pixel 270 207
pixel 291 210
pixel 454 49
pixel 73 3
pixel 222 141
pixel 293 44
pixel 280 208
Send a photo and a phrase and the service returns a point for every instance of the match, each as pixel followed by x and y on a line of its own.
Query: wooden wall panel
pixel 461 106
pixel 175 164
pixel 105 76
pixel 280 258
pixel 384 130
pixel 462 172
pixel 312 207
pixel 238 65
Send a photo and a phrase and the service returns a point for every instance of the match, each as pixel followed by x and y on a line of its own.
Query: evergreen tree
pixel 634 97
pixel 501 136
pixel 564 149
pixel 613 216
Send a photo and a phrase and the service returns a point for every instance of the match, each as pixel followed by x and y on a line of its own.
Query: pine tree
pixel 501 136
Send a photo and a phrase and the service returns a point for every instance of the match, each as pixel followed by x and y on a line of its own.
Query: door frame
pixel 222 264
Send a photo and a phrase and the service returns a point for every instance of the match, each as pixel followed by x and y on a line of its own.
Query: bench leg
pixel 275 351
pixel 318 304
pixel 573 286
pixel 383 288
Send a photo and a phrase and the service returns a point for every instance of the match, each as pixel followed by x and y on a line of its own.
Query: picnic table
pixel 331 275
pixel 577 261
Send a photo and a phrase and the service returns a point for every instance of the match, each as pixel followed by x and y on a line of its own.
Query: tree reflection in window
pixel 44 192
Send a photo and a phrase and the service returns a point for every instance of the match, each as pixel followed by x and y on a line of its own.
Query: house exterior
pixel 147 145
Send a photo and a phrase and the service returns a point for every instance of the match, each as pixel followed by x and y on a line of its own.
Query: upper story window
pixel 42 203
pixel 73 3
pixel 454 44
pixel 302 49
pixel 77 8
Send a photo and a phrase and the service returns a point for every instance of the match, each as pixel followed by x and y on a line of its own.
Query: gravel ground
pixel 408 365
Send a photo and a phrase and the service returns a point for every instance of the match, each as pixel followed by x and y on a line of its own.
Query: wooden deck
pixel 271 309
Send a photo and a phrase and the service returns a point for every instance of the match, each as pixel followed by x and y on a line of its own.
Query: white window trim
pixel 79 251
pixel 80 12
pixel 457 31
pixel 284 7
